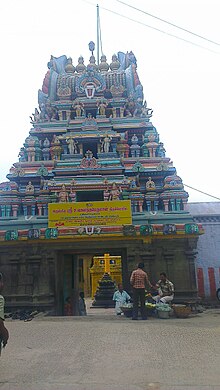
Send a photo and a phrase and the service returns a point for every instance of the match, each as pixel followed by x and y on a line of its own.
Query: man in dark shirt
pixel 138 280
pixel 165 289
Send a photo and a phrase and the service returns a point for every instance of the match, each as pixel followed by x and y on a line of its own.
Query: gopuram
pixel 92 178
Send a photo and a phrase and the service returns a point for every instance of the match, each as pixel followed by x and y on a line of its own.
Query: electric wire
pixel 170 23
pixel 154 28
pixel 202 192
pixel 186 185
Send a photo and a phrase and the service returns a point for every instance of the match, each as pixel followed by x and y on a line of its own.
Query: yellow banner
pixel 103 213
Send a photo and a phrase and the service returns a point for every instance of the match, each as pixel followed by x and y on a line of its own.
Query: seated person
pixel 165 289
pixel 120 297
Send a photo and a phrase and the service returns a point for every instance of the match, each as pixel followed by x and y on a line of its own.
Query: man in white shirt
pixel 120 297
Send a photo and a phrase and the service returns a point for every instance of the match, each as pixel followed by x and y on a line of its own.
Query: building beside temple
pixel 208 257
pixel 94 156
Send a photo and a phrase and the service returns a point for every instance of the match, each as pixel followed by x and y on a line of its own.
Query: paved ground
pixel 106 352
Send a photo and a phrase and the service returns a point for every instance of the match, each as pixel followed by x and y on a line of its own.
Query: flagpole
pixel 97 7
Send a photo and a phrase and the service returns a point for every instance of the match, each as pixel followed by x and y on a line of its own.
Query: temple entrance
pixel 81 273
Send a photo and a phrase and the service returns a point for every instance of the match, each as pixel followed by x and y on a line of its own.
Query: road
pixel 106 352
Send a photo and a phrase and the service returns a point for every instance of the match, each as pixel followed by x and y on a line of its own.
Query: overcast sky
pixel 181 81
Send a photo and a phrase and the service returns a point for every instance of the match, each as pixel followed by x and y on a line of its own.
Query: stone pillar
pixel 154 152
pixel 25 210
pixel 172 203
pixel 3 210
pixel 125 272
pixel 184 203
pixel 141 206
pixel 148 203
pixel 15 210
pixel 68 113
pixel 166 204
pixel 60 115
pixel 178 203
pixel 114 112
pixel 39 206
pixel 148 259
pixel 45 208
pixel 81 148
pixel 168 259
pixel 33 209
pixel 155 203
pixel 8 210
pixel 65 149
pixel 191 256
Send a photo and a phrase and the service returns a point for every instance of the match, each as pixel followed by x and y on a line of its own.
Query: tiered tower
pixel 92 139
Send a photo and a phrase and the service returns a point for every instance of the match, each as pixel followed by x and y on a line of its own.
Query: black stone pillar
pixel 191 256
pixel 168 260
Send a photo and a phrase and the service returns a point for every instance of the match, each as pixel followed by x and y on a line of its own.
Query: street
pixel 108 352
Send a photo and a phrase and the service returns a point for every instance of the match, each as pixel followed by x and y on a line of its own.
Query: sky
pixel 181 80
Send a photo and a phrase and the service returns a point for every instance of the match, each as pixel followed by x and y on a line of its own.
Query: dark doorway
pixel 92 112
pixel 90 146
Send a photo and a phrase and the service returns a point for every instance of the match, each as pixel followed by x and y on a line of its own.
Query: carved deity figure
pixel 55 149
pixel 132 183
pixel 79 107
pixel 72 145
pixel 44 117
pixel 63 195
pixel 72 194
pixel 29 188
pixel 161 151
pixel 138 108
pixel 45 185
pixel 101 107
pixel 135 148
pixel 150 185
pixel 22 155
pixel 134 139
pixel 46 149
pixel 146 111
pixel 105 144
pixel 114 193
pixel 55 140
pixel 31 154
pixel 35 117
pixel 130 107
pixel 63 90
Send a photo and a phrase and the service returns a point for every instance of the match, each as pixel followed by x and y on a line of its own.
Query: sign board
pixel 103 213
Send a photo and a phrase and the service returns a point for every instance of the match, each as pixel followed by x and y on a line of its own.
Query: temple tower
pixel 92 157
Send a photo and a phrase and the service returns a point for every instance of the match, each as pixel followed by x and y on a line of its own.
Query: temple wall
pixel 34 274
pixel 175 257
pixel 29 277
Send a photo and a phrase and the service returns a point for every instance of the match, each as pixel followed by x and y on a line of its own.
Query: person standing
pixel 138 280
pixel 4 335
pixel 120 297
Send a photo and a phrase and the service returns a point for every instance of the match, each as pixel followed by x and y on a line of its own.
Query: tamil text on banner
pixel 103 213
